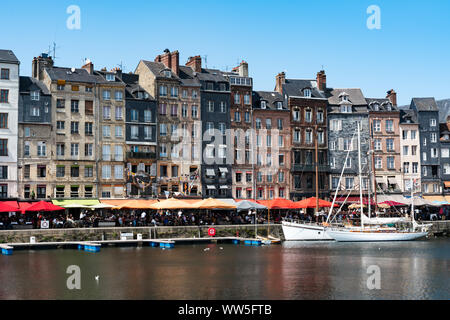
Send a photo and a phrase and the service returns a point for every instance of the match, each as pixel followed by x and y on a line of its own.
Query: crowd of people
pixel 141 218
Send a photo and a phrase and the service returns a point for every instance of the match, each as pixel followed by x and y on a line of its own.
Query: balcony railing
pixel 309 167
pixel 141 155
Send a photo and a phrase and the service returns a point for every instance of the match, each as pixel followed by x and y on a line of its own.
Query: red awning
pixel 4 207
pixel 23 206
pixel 312 203
pixel 44 206
pixel 12 204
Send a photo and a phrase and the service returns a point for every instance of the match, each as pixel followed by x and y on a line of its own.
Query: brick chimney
pixel 392 96
pixel 39 64
pixel 89 66
pixel 321 80
pixel 280 80
pixel 175 62
pixel 195 63
pixel 242 69
pixel 171 60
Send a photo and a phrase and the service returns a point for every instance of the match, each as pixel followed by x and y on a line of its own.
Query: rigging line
pixel 392 206
pixel 342 206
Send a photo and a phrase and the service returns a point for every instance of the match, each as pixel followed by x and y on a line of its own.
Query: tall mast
pixel 317 174
pixel 360 174
pixel 373 170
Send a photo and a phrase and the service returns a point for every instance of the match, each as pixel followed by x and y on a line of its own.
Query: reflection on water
pixel 294 270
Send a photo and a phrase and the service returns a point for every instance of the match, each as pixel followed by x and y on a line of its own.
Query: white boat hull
pixel 294 231
pixel 358 236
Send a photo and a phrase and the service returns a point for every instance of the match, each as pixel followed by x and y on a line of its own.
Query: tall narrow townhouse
pixel 111 132
pixel 9 109
pixel 217 160
pixel 178 94
pixel 384 120
pixel 241 116
pixel 307 103
pixel 410 151
pixel 346 109
pixel 272 145
pixel 445 155
pixel 141 140
pixel 428 116
pixel 73 172
pixel 35 140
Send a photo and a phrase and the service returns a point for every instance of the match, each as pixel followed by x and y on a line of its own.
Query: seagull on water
pixel 97 278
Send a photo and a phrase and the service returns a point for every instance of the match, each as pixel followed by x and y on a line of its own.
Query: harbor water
pixel 291 271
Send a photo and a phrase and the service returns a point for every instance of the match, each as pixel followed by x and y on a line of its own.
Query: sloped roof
pixel 425 104
pixel 157 69
pixel 79 75
pixel 408 115
pixel 131 81
pixel 187 77
pixel 272 97
pixel 296 87
pixel 28 84
pixel 355 96
pixel 8 56
pixel 383 103
pixel 211 75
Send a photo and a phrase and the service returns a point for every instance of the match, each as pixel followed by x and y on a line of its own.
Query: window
pixel 41 149
pixel 110 77
pixel 184 111
pixel 413 150
pixel 433 137
pixel 88 191
pixel 413 134
pixel 334 183
pixel 194 94
pixel 106 95
pixel 163 109
pixel 26 171
pixel 434 153
pixel 280 141
pixel 258 123
pixel 346 108
pixel 163 150
pixel 237 98
pixel 377 144
pixel 134 132
pixel 390 145
pixel 3 121
pixel 4 75
pixel 35 95
pixel 74 149
pixel 348 144
pixel 88 89
pixel 88 149
pixel 210 106
pixel 163 130
pixel 308 115
pixel 319 116
pixel 174 110
pixel 60 103
pixel 415 167
pixel 118 131
pixel 106 113
pixel 321 137
pixel 3 147
pixel 406 167
pixel 41 171
pixel 60 149
pixel 424 156
pixel 348 163
pixel 106 131
pixel 106 153
pixel 269 141
pixel 222 128
pixel 118 95
pixel 424 141
pixel 88 172
pixel 349 183
pixel 296 115
pixel 237 116
pixel 405 150
pixel 336 125
pixel 297 135
pixel 377 125
pixel 3 172
pixel 4 96
pixel 389 126
pixel 60 171
pixel 194 112
pixel 60 87
pixel 378 162
pixel 307 93
pixel 89 108
pixel 118 171
pixel 281 177
pixel 223 107
pixel 147 116
pixel 75 171
pixel 268 124
pixel 432 122
pixel 246 99
pixel 88 127
pixel 106 172
pixel 390 163
pixel 405 134
pixel 445 152
pixel 119 113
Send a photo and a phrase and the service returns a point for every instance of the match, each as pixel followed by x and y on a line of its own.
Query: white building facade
pixel 9 112
pixel 410 152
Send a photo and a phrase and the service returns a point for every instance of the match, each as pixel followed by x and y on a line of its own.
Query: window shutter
pixel 340 125
pixel 341 144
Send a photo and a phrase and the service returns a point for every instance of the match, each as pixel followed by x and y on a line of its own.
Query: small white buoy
pixel 221 248
pixel 207 249
pixel 97 278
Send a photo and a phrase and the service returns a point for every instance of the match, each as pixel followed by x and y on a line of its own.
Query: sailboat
pixel 376 233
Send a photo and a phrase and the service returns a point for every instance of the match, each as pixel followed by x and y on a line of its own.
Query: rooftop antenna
pixel 121 66
pixel 205 58
pixel 52 49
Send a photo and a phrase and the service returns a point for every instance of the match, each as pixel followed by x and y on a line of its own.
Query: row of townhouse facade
pixel 168 128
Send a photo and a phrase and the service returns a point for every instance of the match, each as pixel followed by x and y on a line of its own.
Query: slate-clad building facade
pixel 428 115
pixel 217 156
pixel 346 108
pixel 445 155
pixel 141 138
pixel 35 140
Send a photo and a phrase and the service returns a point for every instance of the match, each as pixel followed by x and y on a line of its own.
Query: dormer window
pixel 140 95
pixel 343 96
pixel 307 93
pixel 346 109
pixel 263 104
pixel 376 107
pixel 167 73
pixel 389 107
pixel 110 77
pixel 35 95
pixel 279 105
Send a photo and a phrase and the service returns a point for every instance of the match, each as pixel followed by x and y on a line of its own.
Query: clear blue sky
pixel 410 53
